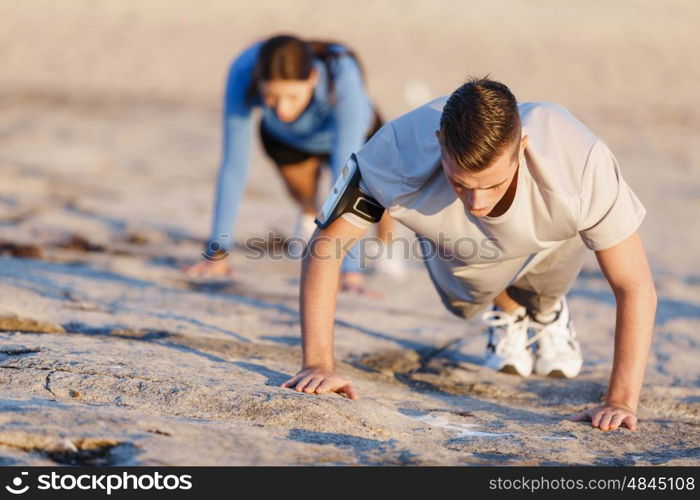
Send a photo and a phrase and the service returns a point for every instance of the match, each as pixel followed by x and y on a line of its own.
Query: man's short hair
pixel 479 122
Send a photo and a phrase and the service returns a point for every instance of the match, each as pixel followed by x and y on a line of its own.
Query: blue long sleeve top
pixel 336 127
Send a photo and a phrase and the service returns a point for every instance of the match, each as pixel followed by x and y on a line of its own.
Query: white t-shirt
pixel 569 184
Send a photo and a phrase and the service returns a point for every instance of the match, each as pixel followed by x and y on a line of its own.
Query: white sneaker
pixel 558 353
pixel 508 349
pixel 302 234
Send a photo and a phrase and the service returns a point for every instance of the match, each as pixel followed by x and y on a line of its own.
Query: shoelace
pixel 554 336
pixel 509 341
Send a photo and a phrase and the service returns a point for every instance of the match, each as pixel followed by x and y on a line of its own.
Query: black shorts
pixel 284 154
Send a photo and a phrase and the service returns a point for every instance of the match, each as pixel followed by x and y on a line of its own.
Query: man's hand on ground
pixel 317 381
pixel 608 417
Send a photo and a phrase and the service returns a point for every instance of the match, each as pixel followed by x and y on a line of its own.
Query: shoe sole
pixel 511 370
pixel 557 374
pixel 566 372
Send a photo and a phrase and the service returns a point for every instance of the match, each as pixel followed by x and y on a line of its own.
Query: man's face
pixel 481 191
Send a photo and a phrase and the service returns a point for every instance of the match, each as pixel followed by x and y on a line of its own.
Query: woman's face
pixel 289 98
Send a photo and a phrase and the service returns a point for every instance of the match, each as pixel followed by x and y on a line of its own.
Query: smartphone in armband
pixel 346 197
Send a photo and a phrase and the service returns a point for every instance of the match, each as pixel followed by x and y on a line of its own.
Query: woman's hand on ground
pixel 608 417
pixel 209 269
pixel 319 381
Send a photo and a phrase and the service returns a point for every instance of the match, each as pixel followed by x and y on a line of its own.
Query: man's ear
pixel 523 143
pixel 439 136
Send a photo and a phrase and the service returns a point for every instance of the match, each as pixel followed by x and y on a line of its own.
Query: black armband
pixel 346 197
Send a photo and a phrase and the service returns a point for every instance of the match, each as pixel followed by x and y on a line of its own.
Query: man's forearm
pixel 636 310
pixel 317 300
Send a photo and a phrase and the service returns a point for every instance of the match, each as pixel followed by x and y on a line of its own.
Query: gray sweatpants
pixel 536 281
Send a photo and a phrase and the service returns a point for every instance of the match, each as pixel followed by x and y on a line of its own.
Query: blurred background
pixel 632 60
pixel 628 69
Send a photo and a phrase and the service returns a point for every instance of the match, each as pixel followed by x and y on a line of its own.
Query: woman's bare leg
pixel 301 180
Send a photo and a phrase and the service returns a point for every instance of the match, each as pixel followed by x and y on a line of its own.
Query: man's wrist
pixel 321 366
pixel 622 395
pixel 621 403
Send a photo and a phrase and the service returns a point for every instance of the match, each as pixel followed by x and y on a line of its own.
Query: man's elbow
pixel 653 299
pixel 639 290
pixel 320 249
